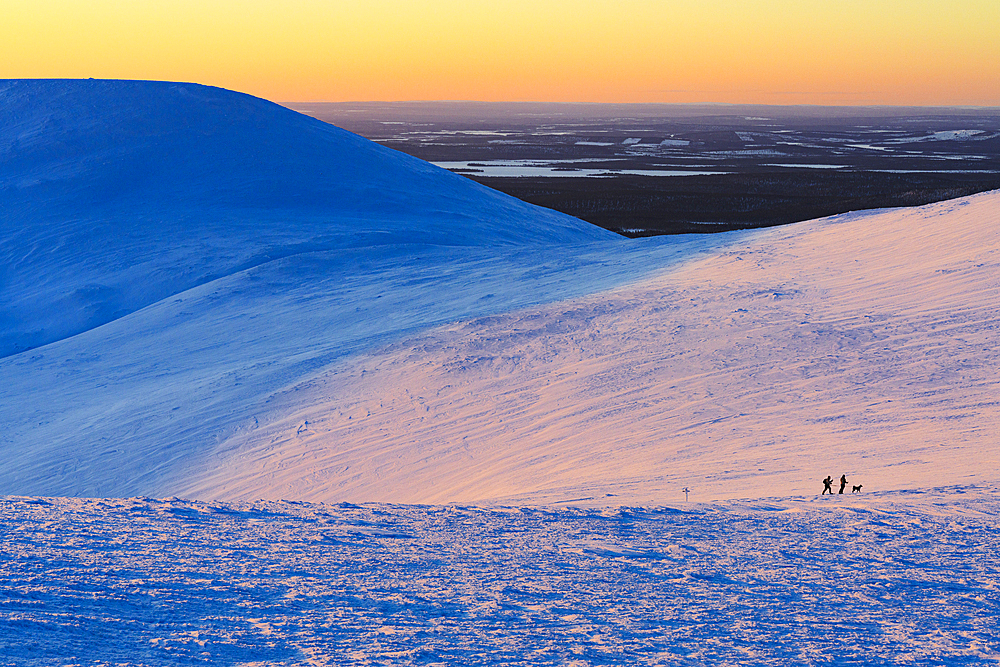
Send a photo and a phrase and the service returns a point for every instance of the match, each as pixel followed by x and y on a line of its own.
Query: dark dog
pixel 856 489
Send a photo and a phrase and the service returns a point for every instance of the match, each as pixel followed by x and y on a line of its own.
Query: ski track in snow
pixel 884 579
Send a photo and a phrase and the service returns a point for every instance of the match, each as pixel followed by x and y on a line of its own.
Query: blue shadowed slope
pixel 117 194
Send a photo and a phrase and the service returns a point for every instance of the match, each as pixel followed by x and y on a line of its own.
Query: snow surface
pixel 206 295
pixel 863 344
pixel 882 579
pixel 439 342
pixel 511 169
pixel 947 135
pixel 176 255
pixel 119 194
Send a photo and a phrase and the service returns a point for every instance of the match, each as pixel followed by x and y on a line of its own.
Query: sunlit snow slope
pixel 224 299
pixel 864 344
pixel 172 255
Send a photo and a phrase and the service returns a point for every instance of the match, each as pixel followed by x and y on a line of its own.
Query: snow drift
pixel 208 295
pixel 880 579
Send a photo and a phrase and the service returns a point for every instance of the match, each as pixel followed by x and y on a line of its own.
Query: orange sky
pixel 923 52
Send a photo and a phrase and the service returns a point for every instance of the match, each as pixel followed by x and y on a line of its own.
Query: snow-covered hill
pixel 118 194
pixel 865 344
pixel 173 255
pixel 227 300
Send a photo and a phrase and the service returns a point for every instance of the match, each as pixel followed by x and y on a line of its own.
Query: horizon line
pixel 796 105
pixel 874 105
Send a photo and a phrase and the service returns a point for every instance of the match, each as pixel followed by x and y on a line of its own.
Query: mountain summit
pixel 117 194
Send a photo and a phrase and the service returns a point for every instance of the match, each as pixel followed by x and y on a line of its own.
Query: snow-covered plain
pixel 205 295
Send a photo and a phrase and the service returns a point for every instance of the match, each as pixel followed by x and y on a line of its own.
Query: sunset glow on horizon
pixel 895 52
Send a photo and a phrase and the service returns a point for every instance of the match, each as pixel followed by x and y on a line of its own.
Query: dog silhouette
pixel 856 489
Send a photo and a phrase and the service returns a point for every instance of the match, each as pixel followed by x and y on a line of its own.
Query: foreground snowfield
pixel 901 578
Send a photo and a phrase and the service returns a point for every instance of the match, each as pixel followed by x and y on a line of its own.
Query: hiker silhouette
pixel 843 482
pixel 827 485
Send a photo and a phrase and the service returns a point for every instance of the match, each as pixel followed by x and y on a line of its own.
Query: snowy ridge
pixel 175 255
pixel 862 345
pixel 118 194
pixel 234 302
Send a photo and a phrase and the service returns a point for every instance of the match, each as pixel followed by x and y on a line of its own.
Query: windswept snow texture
pixel 886 579
pixel 209 296
pixel 231 301
pixel 172 255
pixel 863 345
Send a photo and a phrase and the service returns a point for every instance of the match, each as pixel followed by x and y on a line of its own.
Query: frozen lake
pixel 532 168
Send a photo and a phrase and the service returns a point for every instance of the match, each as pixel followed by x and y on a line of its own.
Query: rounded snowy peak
pixel 73 147
pixel 118 194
